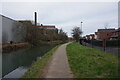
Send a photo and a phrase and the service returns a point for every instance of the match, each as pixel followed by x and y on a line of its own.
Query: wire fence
pixel 111 46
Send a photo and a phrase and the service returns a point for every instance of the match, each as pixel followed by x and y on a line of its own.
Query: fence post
pixel 92 42
pixel 104 44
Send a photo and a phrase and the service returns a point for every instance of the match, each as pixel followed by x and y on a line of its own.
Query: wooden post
pixel 104 44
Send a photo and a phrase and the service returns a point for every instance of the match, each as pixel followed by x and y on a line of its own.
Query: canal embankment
pixel 37 68
pixel 86 62
pixel 6 48
pixel 9 47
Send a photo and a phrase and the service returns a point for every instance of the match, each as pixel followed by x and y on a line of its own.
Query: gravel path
pixel 59 66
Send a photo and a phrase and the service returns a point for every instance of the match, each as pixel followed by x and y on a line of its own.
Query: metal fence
pixel 111 46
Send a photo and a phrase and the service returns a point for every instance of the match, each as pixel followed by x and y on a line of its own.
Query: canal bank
pixel 36 70
pixel 9 47
pixel 86 62
pixel 23 58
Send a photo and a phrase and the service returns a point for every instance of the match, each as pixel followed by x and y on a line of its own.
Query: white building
pixel 12 30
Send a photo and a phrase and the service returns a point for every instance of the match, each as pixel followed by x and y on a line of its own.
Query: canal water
pixel 20 60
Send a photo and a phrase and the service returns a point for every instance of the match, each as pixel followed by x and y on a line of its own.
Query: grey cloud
pixel 65 15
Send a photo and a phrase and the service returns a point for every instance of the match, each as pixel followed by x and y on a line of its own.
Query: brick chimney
pixel 35 18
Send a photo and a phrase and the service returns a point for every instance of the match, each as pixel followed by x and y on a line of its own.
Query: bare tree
pixel 63 35
pixel 76 32
pixel 106 25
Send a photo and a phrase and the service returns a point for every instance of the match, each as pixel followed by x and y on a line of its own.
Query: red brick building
pixel 48 29
pixel 108 33
pixel 88 37
pixel 92 36
pixel 115 34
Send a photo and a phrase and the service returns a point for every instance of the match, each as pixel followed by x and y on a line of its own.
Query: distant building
pixel 17 31
pixel 48 29
pixel 12 30
pixel 45 29
pixel 92 36
pixel 115 34
pixel 108 34
pixel 26 22
pixel 96 35
pixel 104 33
pixel 88 37
pixel 0 30
pixel 47 26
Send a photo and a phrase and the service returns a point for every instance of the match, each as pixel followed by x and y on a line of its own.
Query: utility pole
pixel 81 27
pixel 81 40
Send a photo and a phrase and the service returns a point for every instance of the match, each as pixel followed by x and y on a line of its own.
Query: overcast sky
pixel 66 15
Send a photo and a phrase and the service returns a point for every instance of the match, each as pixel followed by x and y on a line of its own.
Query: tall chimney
pixel 35 18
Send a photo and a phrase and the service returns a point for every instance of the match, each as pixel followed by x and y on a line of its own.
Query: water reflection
pixel 17 73
pixel 23 57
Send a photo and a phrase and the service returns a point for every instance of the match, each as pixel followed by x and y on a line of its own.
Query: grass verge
pixel 37 68
pixel 88 62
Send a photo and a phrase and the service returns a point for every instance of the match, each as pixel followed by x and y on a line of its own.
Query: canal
pixel 22 59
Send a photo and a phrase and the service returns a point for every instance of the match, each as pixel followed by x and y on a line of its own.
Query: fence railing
pixel 107 43
pixel 112 46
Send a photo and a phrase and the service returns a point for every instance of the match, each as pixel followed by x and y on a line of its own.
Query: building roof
pixel 106 30
pixel 87 35
pixel 26 21
pixel 47 26
pixel 7 17
pixel 92 34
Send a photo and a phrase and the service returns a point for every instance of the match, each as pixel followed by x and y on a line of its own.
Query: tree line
pixel 36 35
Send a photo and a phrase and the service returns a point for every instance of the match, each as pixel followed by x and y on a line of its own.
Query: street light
pixel 81 26
pixel 81 40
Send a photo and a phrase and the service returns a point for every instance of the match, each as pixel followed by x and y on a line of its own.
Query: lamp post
pixel 81 27
pixel 81 40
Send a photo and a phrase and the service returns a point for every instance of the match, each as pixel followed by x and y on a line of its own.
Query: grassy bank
pixel 87 62
pixel 37 68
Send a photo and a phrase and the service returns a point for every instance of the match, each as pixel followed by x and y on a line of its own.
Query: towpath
pixel 59 66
